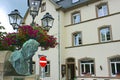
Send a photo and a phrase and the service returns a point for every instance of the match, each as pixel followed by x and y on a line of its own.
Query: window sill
pixel 105 41
pixel 88 75
pixel 82 45
pixel 77 45
pixel 75 23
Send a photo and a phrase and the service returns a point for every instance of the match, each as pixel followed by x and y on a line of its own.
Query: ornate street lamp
pixel 47 22
pixel 34 6
pixel 15 19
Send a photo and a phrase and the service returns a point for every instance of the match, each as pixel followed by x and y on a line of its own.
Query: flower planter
pixel 87 74
pixel 118 75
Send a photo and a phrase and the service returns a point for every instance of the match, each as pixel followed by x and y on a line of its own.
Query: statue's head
pixel 29 48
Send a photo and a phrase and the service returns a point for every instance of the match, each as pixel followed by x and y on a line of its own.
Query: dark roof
pixel 65 4
pixel 68 3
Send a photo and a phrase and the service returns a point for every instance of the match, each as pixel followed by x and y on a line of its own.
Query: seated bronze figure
pixel 19 58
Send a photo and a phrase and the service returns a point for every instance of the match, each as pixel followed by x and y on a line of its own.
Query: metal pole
pixel 33 18
pixel 43 73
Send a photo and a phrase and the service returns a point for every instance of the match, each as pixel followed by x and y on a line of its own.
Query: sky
pixel 6 6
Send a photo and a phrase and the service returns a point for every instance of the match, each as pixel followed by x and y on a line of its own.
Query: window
pixel 47 69
pixel 74 1
pixel 33 65
pixel 102 10
pixel 105 34
pixel 87 67
pixel 77 39
pixel 43 7
pixel 76 18
pixel 115 66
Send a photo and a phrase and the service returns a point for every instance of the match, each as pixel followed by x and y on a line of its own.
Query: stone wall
pixel 32 77
pixel 3 55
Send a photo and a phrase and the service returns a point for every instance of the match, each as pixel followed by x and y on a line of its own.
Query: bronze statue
pixel 19 58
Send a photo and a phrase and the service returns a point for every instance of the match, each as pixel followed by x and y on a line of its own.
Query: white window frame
pixel 77 16
pixel 74 1
pixel 115 64
pixel 104 30
pixel 102 10
pixel 89 63
pixel 47 72
pixel 76 39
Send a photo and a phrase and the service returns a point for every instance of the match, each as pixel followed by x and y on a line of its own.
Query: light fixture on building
pixel 15 19
pixel 47 22
pixel 34 6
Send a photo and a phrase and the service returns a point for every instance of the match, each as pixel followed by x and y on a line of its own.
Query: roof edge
pixel 77 6
pixel 56 5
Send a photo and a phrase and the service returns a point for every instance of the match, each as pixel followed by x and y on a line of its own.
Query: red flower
pixel 25 33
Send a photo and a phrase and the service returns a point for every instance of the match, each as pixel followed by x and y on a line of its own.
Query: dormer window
pixel 74 1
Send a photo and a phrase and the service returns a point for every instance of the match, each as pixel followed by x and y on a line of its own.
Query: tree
pixel 1 36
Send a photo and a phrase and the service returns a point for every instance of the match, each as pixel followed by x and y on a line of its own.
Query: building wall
pixel 90 29
pixel 28 19
pixel 52 54
pixel 100 52
pixel 91 8
pixel 91 47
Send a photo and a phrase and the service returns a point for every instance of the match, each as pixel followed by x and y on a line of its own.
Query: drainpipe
pixel 59 56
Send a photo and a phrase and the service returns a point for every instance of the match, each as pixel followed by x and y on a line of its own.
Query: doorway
pixel 70 69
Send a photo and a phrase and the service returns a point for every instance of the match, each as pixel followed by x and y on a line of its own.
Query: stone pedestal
pixel 3 59
pixel 7 72
pixel 32 77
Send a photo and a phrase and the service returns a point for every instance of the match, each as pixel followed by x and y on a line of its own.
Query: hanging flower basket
pixel 12 41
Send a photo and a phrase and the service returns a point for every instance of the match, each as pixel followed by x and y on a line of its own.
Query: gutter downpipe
pixel 59 56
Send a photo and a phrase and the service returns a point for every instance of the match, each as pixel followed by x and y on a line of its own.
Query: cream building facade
pixel 89 40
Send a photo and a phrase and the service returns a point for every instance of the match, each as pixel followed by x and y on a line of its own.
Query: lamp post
pixel 15 19
pixel 47 21
pixel 34 6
